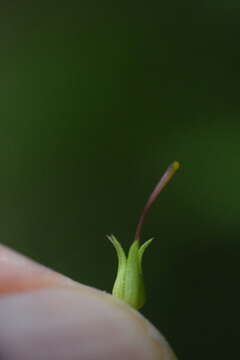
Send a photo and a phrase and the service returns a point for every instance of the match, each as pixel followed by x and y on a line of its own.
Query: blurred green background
pixel 96 99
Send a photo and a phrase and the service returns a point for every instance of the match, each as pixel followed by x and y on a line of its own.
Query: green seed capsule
pixel 129 283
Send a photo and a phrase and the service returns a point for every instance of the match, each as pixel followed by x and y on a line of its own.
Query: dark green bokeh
pixel 96 101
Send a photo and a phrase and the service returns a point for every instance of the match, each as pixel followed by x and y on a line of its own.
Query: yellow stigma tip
pixel 175 165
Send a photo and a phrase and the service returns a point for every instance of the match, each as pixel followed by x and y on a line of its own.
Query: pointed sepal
pixel 129 283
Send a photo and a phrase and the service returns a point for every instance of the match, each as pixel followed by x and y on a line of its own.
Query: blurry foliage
pixel 95 102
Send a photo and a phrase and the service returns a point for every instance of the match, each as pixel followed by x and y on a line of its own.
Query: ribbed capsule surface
pixel 129 283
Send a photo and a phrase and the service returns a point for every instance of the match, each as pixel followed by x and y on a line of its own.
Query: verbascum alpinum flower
pixel 129 283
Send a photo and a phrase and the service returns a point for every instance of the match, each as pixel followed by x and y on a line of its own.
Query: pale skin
pixel 47 316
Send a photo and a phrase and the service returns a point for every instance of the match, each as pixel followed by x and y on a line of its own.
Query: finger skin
pixel 19 273
pixel 66 320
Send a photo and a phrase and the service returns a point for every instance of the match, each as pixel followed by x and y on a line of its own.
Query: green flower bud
pixel 129 283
